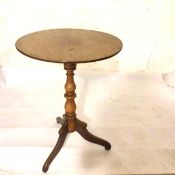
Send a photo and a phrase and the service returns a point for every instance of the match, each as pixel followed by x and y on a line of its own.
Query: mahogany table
pixel 70 47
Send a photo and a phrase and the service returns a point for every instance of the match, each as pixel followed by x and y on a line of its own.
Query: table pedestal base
pixel 69 121
pixel 80 127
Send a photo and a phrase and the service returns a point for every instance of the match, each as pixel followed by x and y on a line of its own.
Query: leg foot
pixel 62 136
pixel 108 146
pixel 81 129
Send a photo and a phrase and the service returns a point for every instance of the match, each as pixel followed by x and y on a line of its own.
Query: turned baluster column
pixel 70 106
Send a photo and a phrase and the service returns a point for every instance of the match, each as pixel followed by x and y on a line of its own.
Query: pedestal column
pixel 70 105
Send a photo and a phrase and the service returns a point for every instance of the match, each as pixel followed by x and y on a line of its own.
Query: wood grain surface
pixel 69 45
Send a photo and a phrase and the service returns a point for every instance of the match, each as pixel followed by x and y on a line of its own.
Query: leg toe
pixel 108 146
pixel 45 168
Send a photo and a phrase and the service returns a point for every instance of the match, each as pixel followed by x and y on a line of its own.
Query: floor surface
pixel 135 112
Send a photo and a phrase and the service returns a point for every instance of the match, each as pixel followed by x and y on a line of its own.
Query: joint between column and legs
pixel 69 121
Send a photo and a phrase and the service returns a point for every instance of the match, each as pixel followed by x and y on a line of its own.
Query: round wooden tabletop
pixel 69 45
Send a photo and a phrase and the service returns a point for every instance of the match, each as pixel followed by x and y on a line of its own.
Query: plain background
pixel 123 99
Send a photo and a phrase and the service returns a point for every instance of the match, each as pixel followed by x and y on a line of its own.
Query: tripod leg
pixel 62 136
pixel 61 120
pixel 81 129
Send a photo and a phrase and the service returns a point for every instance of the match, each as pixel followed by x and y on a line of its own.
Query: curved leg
pixel 81 129
pixel 62 136
pixel 61 120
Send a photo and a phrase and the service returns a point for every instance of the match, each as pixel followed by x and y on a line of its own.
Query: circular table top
pixel 69 45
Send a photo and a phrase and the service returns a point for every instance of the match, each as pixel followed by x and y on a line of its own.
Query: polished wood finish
pixel 69 45
pixel 69 121
pixel 70 95
pixel 62 136
pixel 81 129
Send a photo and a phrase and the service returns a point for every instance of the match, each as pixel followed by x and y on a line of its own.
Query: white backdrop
pixel 135 111
pixel 146 28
